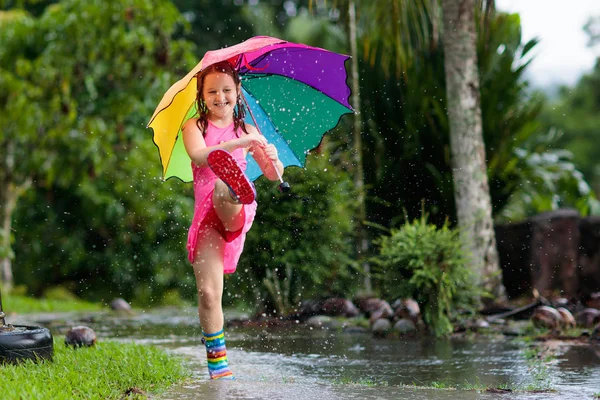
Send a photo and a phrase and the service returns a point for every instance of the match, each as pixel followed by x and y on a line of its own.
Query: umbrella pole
pixel 283 186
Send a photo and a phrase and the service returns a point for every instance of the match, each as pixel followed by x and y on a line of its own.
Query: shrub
pixel 300 245
pixel 427 263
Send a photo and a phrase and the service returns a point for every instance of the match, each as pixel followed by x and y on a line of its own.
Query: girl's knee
pixel 209 298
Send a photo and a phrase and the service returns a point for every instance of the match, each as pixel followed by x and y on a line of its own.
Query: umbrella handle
pixel 284 187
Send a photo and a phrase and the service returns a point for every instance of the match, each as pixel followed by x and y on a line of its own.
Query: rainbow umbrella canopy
pixel 295 94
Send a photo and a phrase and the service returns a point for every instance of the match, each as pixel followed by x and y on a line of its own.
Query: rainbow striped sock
pixel 216 355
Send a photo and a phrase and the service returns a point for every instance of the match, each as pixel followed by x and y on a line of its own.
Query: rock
pixel 480 324
pixel 567 318
pixel 319 321
pixel 546 317
pixel 80 336
pixel 405 326
pixel 381 327
pixel 371 305
pixel 308 308
pixel 339 307
pixel 407 308
pixel 120 304
pixel 587 318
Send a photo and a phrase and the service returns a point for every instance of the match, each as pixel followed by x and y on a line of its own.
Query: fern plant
pixel 427 263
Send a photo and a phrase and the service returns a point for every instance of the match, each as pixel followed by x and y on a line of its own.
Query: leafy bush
pixel 545 179
pixel 427 263
pixel 300 245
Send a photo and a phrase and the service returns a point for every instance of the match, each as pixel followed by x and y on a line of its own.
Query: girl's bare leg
pixel 208 270
pixel 228 211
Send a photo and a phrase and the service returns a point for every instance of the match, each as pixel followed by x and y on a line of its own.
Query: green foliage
pixel 90 74
pixel 21 304
pixel 407 128
pixel 528 174
pixel 424 262
pixel 576 113
pixel 546 180
pixel 300 244
pixel 105 371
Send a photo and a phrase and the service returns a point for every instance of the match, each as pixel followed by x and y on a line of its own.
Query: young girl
pixel 217 142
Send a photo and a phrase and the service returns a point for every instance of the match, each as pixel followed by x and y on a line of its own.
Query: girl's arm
pixel 194 143
pixel 266 157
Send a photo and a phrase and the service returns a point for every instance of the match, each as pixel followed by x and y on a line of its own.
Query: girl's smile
pixel 220 95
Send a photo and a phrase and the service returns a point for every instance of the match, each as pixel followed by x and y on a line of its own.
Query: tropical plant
pixel 548 180
pixel 576 114
pixel 427 263
pixel 97 217
pixel 300 245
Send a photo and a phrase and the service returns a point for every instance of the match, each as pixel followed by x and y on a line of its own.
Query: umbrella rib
pixel 271 122
pixel 258 128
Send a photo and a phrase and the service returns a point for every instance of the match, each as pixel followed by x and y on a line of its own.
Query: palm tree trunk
pixel 469 169
pixel 362 244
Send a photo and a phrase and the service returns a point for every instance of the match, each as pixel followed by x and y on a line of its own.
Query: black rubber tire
pixel 34 343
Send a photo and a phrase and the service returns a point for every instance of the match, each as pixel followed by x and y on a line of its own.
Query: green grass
pixel 107 371
pixel 20 304
pixel 358 382
pixel 480 387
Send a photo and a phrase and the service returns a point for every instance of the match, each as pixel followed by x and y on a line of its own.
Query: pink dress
pixel 204 180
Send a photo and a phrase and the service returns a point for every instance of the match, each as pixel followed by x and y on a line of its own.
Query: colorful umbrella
pixel 294 93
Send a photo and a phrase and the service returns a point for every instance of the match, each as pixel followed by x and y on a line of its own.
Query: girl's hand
pixel 271 152
pixel 253 139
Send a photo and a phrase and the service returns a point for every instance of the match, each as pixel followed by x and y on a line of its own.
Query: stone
pixel 338 306
pixel 372 304
pixel 405 326
pixel 80 336
pixel 407 308
pixel 120 304
pixel 385 311
pixel 481 324
pixel 587 318
pixel 308 308
pixel 319 321
pixel 546 317
pixel 568 321
pixel 381 327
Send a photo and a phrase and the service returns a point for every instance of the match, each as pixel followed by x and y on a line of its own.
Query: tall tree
pixel 469 169
pixel 76 87
pixel 26 123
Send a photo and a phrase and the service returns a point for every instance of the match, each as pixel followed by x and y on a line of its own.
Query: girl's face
pixel 220 95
